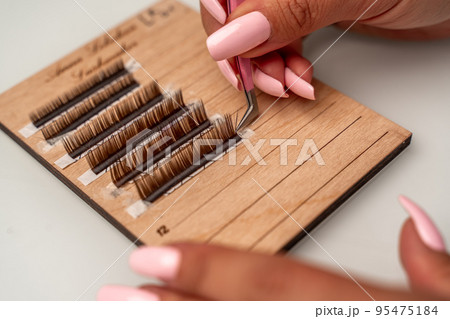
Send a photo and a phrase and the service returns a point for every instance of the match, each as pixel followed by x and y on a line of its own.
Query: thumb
pixel 257 27
pixel 428 268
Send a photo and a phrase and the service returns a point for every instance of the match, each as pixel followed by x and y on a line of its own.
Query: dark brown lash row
pixel 115 146
pixel 136 132
pixel 111 119
pixel 187 159
pixel 70 98
pixel 94 104
pixel 166 140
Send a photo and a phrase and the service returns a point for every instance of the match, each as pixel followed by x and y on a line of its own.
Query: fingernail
pixel 425 227
pixel 268 84
pixel 238 36
pixel 298 85
pixel 159 262
pixel 215 9
pixel 228 73
pixel 124 293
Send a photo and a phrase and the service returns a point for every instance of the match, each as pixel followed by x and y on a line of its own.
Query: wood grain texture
pixel 259 205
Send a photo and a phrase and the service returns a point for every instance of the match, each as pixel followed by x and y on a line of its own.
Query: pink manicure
pixel 298 85
pixel 215 9
pixel 159 262
pixel 124 293
pixel 425 227
pixel 238 36
pixel 268 84
pixel 228 73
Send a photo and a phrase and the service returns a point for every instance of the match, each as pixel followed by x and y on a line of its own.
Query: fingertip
pixel 124 293
pixel 299 86
pixel 268 84
pixel 409 239
pixel 271 64
pixel 299 65
pixel 215 9
pixel 228 73
pixel 161 262
pixel 425 227
pixel 426 268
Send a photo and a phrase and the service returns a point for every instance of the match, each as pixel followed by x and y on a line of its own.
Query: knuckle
pixel 298 15
pixel 306 12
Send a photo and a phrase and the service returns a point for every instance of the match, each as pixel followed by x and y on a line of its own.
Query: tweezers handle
pixel 243 64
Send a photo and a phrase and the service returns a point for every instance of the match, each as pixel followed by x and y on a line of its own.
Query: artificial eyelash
pixel 75 116
pixel 77 94
pixel 168 139
pixel 114 147
pixel 181 164
pixel 111 119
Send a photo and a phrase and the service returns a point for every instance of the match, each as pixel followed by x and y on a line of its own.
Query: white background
pixel 53 245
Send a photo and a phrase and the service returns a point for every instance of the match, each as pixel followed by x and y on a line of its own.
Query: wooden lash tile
pixel 222 204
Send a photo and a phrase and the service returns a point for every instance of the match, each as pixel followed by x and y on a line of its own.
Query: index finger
pixel 224 274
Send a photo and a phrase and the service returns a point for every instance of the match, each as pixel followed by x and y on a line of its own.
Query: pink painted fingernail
pixel 228 73
pixel 159 262
pixel 298 85
pixel 268 84
pixel 425 227
pixel 124 293
pixel 215 9
pixel 238 36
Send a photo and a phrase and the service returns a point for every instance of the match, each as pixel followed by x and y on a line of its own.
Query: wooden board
pixel 224 204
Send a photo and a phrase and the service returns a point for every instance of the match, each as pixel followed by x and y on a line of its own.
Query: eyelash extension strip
pixel 111 119
pixel 113 148
pixel 80 113
pixel 68 99
pixel 181 164
pixel 171 137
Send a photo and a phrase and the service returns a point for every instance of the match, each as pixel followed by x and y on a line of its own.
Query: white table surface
pixel 53 245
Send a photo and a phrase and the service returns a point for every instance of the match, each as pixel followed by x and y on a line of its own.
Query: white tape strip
pixel 247 133
pixel 111 187
pixel 197 171
pixel 208 164
pixel 89 176
pixel 44 147
pixel 138 208
pixel 114 191
pixel 132 65
pixel 216 117
pixel 170 191
pixel 65 161
pixel 28 130
pixel 218 157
